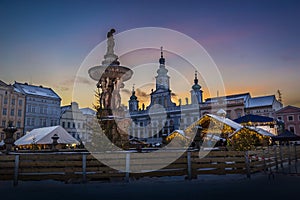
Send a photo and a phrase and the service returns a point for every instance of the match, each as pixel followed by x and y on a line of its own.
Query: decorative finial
pixel 161 60
pixel 196 78
pixel 133 88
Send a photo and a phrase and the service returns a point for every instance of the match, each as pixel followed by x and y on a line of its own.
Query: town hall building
pixel 163 116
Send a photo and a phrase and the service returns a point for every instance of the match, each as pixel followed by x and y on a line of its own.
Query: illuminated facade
pixel 163 116
pixel 42 106
pixel 290 115
pixel 78 122
pixel 12 106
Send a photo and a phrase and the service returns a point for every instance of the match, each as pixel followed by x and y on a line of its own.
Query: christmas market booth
pixel 267 123
pixel 54 137
pixel 177 139
pixel 286 137
pixel 248 138
pixel 208 131
pixel 217 131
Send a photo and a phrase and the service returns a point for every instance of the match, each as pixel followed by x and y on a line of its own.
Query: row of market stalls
pixel 243 134
pixel 209 131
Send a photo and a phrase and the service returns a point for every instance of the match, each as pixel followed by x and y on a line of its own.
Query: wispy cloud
pixel 125 91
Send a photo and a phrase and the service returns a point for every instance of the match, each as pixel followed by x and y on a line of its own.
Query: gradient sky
pixel 255 44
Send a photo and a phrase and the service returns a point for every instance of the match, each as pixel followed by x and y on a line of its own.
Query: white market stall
pixel 41 138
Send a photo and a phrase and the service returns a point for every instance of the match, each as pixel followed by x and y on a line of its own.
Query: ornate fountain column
pixel 110 77
pixel 9 136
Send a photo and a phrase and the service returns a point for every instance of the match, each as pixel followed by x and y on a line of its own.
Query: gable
pixel 288 109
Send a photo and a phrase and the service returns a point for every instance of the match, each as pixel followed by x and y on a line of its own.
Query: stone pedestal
pixel 9 137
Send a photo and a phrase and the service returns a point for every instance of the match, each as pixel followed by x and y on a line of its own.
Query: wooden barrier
pixel 83 166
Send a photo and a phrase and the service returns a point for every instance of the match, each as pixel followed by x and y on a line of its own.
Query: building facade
pixel 78 122
pixel 290 115
pixel 163 116
pixel 42 106
pixel 12 109
pixel 263 106
pixel 238 105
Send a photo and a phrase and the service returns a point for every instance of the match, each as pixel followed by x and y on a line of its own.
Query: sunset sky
pixel 254 44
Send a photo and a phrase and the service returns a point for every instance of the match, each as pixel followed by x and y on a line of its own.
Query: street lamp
pixel 54 143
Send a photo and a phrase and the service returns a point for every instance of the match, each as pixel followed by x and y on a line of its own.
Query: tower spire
pixel 133 91
pixel 196 78
pixel 196 92
pixel 162 59
pixel 133 102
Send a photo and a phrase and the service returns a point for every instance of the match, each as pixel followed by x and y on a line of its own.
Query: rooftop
pixel 25 88
pixel 253 118
pixel 261 101
pixel 229 97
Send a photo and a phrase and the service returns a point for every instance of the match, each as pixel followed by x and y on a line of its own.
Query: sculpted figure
pixel 110 41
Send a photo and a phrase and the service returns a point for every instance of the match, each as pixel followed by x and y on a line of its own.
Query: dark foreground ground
pixel 260 186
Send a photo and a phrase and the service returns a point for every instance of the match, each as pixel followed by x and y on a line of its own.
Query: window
pixel 13 102
pixel 291 118
pixel 3 123
pixel 28 121
pixel 299 118
pixel 19 113
pixel 63 124
pixel 44 122
pixel 12 112
pixel 51 122
pixel 2 136
pixel 18 124
pixel 33 109
pixel 4 111
pixel 20 102
pixel 69 125
pixel 74 125
pixel 29 108
pixel 279 118
pixel 32 121
pixel 5 100
pixel 78 125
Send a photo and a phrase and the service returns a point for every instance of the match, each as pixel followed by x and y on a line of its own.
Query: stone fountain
pixel 110 76
pixel 9 136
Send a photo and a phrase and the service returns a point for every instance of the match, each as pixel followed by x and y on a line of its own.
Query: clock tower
pixel 162 94
pixel 162 78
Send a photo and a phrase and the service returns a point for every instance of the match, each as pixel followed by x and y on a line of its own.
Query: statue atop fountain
pixel 110 76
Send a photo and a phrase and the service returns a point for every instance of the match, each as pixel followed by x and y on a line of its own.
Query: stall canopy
pixel 286 136
pixel 44 136
pixel 253 118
